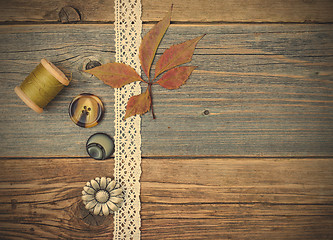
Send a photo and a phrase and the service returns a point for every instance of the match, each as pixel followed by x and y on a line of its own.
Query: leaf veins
pixel 150 43
pixel 138 104
pixel 176 55
pixel 115 75
pixel 175 77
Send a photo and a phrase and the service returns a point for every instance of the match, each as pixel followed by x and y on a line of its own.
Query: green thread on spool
pixel 41 85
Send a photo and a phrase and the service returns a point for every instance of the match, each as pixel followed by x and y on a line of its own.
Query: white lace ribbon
pixel 127 170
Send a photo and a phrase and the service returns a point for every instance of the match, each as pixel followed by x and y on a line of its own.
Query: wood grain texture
pixel 259 90
pixel 182 198
pixel 184 11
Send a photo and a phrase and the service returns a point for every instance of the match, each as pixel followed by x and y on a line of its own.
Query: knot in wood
pixel 206 112
pixel 69 14
pixel 92 64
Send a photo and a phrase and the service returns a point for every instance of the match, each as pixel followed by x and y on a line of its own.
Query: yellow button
pixel 86 110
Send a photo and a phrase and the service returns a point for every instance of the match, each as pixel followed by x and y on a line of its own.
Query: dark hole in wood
pixel 92 64
pixel 206 112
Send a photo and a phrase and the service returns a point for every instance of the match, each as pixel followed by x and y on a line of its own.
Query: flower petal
pixel 108 180
pixel 116 192
pixel 89 190
pixel 102 183
pixel 116 199
pixel 111 185
pixel 98 180
pixel 105 210
pixel 91 204
pixel 95 184
pixel 87 197
pixel 112 206
pixel 97 208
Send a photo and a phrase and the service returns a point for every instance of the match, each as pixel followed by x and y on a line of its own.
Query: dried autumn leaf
pixel 151 41
pixel 115 74
pixel 118 74
pixel 176 77
pixel 176 55
pixel 138 104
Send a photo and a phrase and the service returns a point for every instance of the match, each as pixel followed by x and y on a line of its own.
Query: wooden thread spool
pixel 41 86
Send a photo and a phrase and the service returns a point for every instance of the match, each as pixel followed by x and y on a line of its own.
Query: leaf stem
pixel 142 80
pixel 151 99
pixel 156 77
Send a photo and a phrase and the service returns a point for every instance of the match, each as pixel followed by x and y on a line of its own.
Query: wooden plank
pixel 260 90
pixel 184 11
pixel 45 203
pixel 182 198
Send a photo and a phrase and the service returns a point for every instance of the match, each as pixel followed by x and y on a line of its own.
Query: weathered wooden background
pixel 244 150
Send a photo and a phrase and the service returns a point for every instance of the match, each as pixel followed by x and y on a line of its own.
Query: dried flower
pixel 102 196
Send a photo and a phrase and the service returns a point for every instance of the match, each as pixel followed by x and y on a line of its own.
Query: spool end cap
pixel 27 100
pixel 55 72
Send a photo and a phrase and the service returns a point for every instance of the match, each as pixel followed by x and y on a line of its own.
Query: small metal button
pixel 86 110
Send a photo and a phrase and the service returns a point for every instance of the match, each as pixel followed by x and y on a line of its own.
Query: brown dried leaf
pixel 115 74
pixel 138 104
pixel 151 41
pixel 176 55
pixel 175 77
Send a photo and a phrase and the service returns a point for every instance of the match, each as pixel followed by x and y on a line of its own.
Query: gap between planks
pixel 185 157
pixel 150 23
